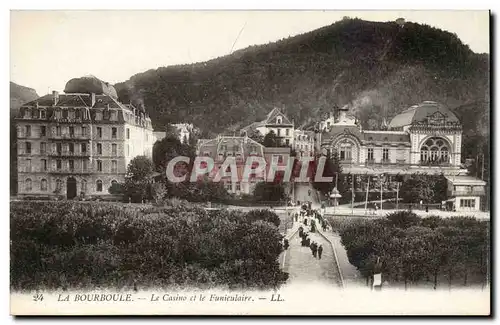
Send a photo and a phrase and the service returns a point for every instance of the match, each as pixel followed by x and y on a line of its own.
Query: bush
pixel 265 215
pixel 84 245
pixel 412 249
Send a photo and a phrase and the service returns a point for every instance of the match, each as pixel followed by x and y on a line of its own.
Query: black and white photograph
pixel 306 162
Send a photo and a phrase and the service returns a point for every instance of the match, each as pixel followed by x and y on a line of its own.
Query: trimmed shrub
pixel 88 245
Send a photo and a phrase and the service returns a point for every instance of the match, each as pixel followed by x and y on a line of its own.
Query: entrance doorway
pixel 70 188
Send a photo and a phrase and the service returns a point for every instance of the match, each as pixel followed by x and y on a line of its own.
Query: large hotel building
pixel 79 143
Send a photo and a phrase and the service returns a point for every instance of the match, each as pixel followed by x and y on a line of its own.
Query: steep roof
pixel 243 145
pixel 421 113
pixel 271 117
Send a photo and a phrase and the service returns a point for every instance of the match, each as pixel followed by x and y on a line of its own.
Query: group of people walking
pixel 316 250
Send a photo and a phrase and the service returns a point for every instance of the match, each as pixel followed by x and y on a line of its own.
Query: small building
pixel 232 146
pixel 304 143
pixel 465 192
pixel 184 131
pixel 275 121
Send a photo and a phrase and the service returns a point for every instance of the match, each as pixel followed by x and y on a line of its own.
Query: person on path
pixel 314 248
pixel 320 251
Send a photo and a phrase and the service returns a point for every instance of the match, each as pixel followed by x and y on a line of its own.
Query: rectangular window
pixel 43 130
pixel 128 150
pixel 44 165
pixel 114 149
pixel 71 165
pixel 43 148
pixel 84 148
pixel 58 164
pixel 287 132
pixel 71 147
pixel 467 203
pixel 99 132
pixel 113 166
pixel 59 148
pixel 28 165
pixel 58 131
pixel 28 147
pixel 287 141
pixel 99 166
pixel 113 133
pixel 114 116
pixel 238 187
pixel 28 130
pixel 385 154
pixel 84 165
pixel 84 131
pixel 279 132
pixel 128 133
pixel 370 153
pixel 99 149
pixel 43 114
pixel 65 114
pixel 98 116
pixel 72 131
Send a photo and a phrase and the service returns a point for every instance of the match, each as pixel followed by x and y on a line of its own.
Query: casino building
pixel 425 138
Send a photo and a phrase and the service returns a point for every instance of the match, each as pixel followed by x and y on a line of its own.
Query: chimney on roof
pixel 343 113
pixel 92 99
pixel 55 96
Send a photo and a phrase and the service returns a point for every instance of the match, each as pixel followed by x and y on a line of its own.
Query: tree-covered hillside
pixel 378 68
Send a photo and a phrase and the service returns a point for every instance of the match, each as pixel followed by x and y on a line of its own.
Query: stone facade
pixel 78 143
pixel 425 138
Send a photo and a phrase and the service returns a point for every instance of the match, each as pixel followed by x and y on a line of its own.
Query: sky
pixel 48 48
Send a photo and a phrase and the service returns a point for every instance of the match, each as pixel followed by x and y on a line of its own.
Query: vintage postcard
pixel 250 163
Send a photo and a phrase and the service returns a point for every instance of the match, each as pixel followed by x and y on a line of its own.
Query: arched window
pixel 435 151
pixel 84 186
pixel 278 120
pixel 43 185
pixel 113 182
pixel 345 151
pixel 27 184
pixel 98 186
pixel 424 153
pixel 58 184
pixel 444 154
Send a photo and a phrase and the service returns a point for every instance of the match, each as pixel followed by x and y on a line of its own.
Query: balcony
pixel 67 136
pixel 474 192
pixel 70 120
pixel 68 154
pixel 385 162
pixel 76 171
pixel 435 163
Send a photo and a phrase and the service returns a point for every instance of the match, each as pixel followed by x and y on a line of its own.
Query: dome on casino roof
pixel 90 84
pixel 423 112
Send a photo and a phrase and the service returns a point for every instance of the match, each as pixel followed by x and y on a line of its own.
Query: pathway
pixel 350 274
pixel 304 268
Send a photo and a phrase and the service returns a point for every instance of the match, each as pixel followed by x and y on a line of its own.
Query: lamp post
pixel 335 195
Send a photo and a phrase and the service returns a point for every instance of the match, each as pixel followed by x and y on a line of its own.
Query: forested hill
pixel 20 95
pixel 379 68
